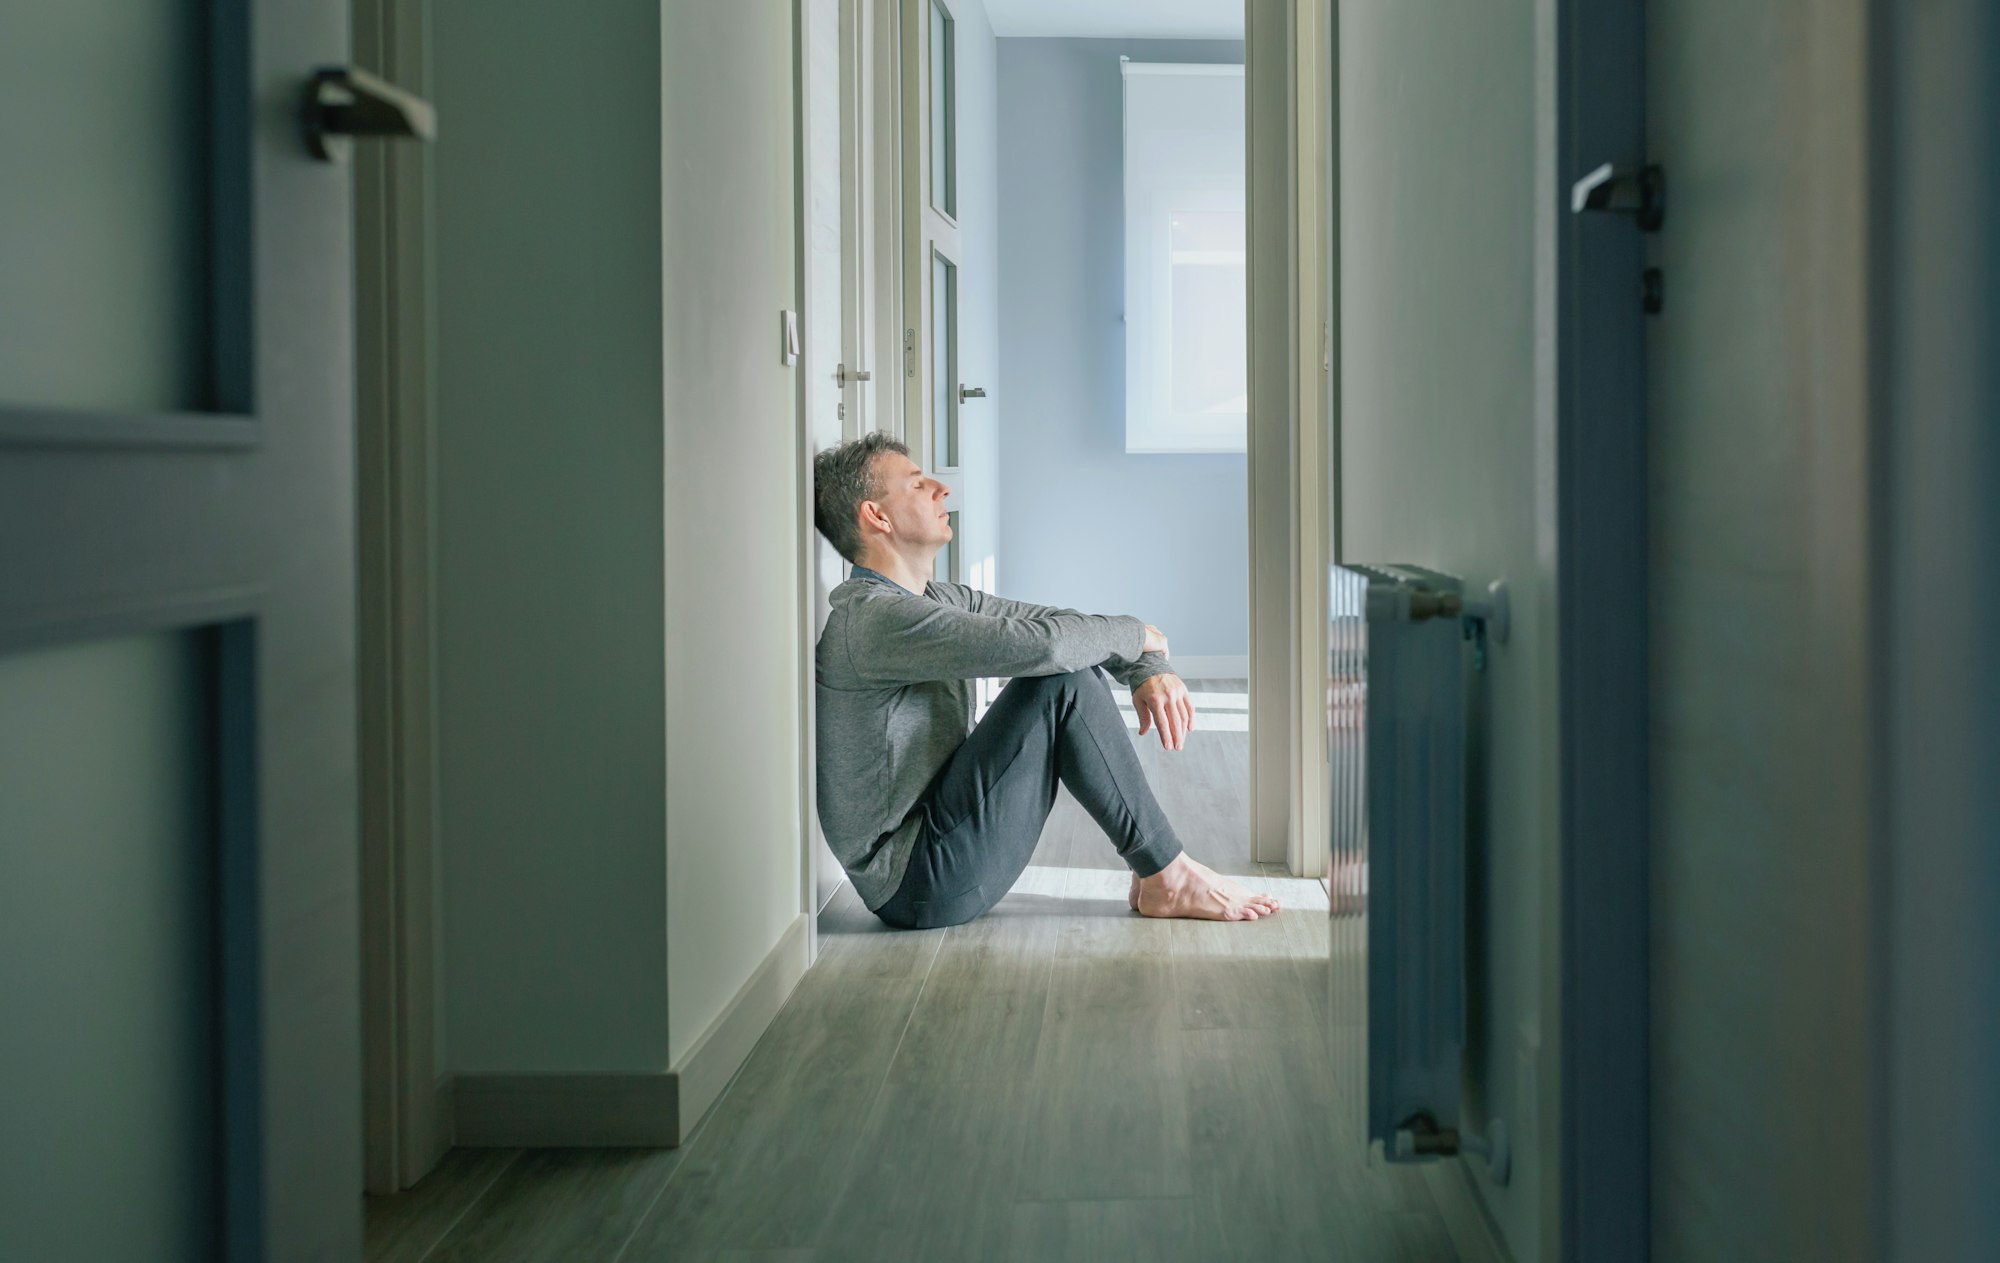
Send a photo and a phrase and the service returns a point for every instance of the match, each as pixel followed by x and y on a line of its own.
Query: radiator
pixel 1397 816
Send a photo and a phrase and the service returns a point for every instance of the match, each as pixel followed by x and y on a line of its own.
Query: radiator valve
pixel 1484 620
pixel 1421 1137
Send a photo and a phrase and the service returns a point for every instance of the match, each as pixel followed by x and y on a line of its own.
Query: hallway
pixel 1059 1079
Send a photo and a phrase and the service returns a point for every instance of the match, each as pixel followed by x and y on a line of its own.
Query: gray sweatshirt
pixel 894 699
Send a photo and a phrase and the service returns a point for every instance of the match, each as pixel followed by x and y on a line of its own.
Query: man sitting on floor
pixel 935 825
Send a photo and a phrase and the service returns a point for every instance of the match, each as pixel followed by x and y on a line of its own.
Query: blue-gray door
pixel 178 1069
pixel 1601 312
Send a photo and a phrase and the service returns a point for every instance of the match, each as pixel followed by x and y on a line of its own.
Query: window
pixel 1187 380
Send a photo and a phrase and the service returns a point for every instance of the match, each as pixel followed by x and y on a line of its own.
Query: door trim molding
pixel 1290 434
pixel 405 1130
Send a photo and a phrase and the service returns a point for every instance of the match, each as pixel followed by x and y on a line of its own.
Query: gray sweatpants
pixel 983 813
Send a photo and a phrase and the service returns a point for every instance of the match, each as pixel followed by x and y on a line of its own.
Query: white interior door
pixel 934 260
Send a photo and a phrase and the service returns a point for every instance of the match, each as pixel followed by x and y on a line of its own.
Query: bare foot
pixel 1133 897
pixel 1186 888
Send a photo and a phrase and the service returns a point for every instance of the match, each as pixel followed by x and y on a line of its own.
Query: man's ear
pixel 871 513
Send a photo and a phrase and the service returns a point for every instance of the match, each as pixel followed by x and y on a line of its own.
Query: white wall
pixel 1446 461
pixel 618 523
pixel 551 701
pixel 732 500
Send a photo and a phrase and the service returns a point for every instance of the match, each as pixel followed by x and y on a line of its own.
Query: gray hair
pixel 843 477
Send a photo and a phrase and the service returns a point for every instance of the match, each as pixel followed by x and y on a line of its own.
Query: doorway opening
pixel 966 270
pixel 1117 227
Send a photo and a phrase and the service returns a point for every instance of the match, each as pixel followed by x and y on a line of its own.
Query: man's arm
pixel 898 639
pixel 1129 671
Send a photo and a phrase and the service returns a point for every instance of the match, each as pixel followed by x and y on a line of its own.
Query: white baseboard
pixel 567 1110
pixel 1473 1232
pixel 716 1055
pixel 652 1109
pixel 1211 667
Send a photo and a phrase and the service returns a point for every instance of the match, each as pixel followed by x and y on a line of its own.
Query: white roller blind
pixel 1186 362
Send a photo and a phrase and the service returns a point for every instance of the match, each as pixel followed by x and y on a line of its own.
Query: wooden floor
pixel 1060 1079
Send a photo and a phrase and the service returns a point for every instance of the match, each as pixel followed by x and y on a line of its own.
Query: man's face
pixel 913 502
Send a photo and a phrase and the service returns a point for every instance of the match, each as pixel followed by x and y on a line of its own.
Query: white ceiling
pixel 1118 19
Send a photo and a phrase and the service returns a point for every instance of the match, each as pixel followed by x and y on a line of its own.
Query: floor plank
pixel 937 1179
pixel 405 1228
pixel 980 1015
pixel 778 1148
pixel 1152 1230
pixel 1275 1181
pixel 1107 1118
pixel 557 1205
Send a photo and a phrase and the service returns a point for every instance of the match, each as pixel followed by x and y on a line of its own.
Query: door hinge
pixel 909 352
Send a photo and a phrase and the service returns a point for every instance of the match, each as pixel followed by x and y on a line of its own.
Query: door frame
pixel 867 271
pixel 407 1115
pixel 1292 433
pixel 1292 426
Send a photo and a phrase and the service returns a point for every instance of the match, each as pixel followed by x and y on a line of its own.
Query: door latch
pixel 1641 194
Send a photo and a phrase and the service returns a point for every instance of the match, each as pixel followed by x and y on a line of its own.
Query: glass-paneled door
pixel 934 392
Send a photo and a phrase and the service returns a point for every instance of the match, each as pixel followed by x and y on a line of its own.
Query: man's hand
pixel 1156 642
pixel 1163 702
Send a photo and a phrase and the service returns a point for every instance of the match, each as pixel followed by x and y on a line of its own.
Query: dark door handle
pixel 345 101
pixel 971 392
pixel 1612 188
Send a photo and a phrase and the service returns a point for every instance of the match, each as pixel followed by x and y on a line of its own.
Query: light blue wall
pixel 1164 537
